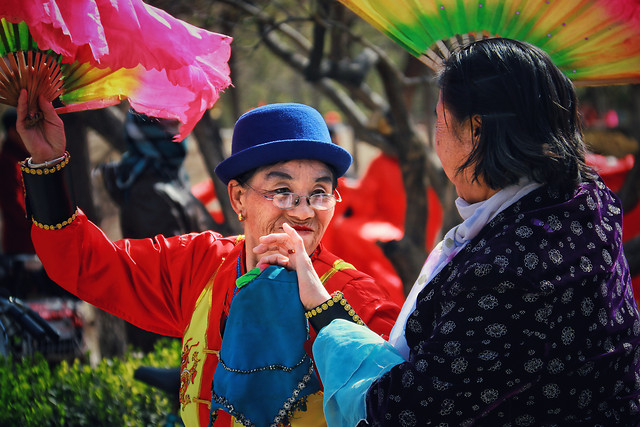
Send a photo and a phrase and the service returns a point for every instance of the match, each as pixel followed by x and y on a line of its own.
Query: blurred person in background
pixel 150 184
pixel 16 227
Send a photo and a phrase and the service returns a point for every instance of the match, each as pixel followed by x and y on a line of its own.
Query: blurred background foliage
pixel 34 392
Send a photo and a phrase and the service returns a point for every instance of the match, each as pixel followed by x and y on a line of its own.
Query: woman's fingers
pixel 312 292
pixel 284 249
pixel 44 139
pixel 270 246
pixel 287 250
pixel 298 243
pixel 52 126
pixel 273 259
pixel 21 111
pixel 47 108
pixel 283 243
pixel 275 249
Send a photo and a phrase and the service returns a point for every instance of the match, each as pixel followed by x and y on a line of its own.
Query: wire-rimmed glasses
pixel 287 200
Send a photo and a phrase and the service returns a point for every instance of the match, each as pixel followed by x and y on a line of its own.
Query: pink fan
pixel 94 53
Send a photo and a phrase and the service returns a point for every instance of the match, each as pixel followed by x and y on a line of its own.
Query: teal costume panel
pixel 264 371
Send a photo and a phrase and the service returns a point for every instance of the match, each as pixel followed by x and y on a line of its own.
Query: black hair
pixel 528 108
pixel 244 177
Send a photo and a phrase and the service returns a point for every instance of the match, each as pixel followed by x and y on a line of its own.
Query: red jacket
pixel 182 286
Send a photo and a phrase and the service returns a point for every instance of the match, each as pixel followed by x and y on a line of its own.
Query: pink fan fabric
pixel 625 10
pixel 185 67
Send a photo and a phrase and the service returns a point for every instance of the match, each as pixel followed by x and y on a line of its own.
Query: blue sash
pixel 263 371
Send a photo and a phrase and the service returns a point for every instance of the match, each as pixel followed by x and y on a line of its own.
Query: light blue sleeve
pixel 349 358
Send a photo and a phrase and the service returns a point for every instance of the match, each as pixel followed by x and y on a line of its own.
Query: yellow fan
pixel 594 42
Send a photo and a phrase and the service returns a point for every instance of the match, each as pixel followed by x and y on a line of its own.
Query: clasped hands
pixel 287 250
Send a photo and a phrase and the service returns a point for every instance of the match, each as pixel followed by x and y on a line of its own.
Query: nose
pixel 303 210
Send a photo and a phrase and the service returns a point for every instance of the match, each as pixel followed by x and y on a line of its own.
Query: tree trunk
pixel 408 254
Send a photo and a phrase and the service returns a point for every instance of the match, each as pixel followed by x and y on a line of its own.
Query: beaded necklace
pixel 238 272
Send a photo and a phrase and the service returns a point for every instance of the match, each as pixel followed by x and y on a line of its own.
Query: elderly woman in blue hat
pixel 283 170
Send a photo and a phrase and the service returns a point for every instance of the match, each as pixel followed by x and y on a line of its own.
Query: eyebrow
pixel 278 174
pixel 283 175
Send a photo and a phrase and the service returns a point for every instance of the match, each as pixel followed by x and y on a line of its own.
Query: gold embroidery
pixel 338 297
pixel 187 375
pixel 198 329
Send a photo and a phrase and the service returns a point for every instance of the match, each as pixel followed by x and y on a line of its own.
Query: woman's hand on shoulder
pixel 287 250
pixel 45 140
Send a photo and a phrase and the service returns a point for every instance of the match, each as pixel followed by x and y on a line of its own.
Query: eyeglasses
pixel 286 201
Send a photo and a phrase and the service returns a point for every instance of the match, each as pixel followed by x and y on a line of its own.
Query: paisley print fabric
pixel 533 323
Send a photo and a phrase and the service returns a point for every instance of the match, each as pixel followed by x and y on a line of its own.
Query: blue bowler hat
pixel 281 132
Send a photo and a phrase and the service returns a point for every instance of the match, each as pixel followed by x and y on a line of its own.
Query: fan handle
pixel 34 70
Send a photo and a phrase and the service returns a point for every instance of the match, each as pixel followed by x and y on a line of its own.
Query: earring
pixel 241 217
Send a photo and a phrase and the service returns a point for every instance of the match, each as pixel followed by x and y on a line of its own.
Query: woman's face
pixel 454 143
pixel 302 177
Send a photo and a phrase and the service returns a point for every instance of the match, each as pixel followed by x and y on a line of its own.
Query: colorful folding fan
pixel 592 41
pixel 94 53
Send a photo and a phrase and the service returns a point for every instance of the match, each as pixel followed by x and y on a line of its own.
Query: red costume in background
pixel 183 286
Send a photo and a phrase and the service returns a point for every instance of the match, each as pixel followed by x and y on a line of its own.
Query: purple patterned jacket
pixel 533 323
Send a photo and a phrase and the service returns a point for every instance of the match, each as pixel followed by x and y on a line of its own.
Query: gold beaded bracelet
pixel 336 300
pixel 43 168
pixel 57 226
pixel 49 202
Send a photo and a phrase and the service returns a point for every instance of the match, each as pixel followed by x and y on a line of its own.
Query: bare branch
pixel 265 19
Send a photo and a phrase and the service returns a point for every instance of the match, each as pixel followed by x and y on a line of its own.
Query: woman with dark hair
pixel 527 113
pixel 524 313
pixel 201 286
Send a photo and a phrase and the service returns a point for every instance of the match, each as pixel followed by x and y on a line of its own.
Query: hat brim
pixel 282 151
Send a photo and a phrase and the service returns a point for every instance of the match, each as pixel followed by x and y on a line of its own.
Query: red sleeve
pixel 151 283
pixel 369 299
pixel 373 304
